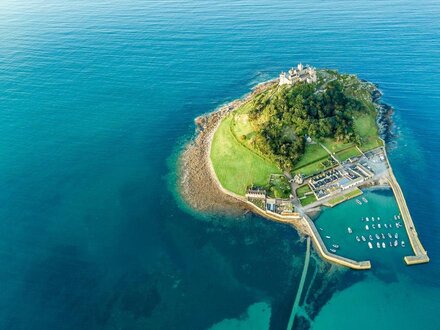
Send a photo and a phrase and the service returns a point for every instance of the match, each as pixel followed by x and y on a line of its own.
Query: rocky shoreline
pixel 198 186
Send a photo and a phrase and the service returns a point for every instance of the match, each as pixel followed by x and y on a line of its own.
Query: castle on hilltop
pixel 300 73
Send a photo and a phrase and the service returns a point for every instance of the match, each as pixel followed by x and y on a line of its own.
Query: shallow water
pixel 95 99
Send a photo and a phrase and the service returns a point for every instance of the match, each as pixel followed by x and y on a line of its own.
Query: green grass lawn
pixel 308 200
pixel 314 168
pixel 301 191
pixel 236 166
pixel 347 153
pixel 365 125
pixel 354 193
pixel 312 153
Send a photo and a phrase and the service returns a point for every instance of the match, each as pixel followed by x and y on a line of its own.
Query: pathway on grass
pixel 301 286
pixel 330 153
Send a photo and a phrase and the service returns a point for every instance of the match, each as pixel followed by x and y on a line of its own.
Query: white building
pixel 300 73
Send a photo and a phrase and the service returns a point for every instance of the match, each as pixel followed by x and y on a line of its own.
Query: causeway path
pixel 301 286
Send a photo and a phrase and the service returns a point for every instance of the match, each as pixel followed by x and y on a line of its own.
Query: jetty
pixel 420 254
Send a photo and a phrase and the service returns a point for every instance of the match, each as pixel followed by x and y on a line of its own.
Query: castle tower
pixel 300 67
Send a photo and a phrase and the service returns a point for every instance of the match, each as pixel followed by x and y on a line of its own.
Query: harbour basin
pixel 373 217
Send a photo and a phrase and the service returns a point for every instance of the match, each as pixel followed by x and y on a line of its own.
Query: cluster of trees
pixel 284 120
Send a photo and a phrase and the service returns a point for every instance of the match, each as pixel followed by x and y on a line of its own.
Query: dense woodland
pixel 284 120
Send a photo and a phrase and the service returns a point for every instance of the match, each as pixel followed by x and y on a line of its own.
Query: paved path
pixel 301 286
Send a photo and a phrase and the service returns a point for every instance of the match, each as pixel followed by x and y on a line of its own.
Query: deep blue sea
pixel 97 99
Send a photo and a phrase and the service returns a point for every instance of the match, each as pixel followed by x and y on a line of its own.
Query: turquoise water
pixel 96 98
pixel 382 206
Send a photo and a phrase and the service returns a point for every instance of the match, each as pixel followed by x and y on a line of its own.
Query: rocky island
pixel 306 140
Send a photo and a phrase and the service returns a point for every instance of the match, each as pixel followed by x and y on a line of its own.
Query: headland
pixel 309 139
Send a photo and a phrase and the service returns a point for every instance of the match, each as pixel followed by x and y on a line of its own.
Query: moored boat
pixel 364 200
pixel 333 250
pixel 383 245
pixel 336 246
pixel 402 243
pixel 396 243
pixel 385 225
pixel 377 236
pixel 367 219
pixel 358 201
pixel 378 218
pixel 372 218
pixel 398 216
pixel 349 230
pixel 373 226
pixel 370 237
pixel 378 225
pixel 390 236
pixel 370 245
pixel 391 244
pixel 363 238
pixel 383 236
pixel 395 218
pixel 321 229
pixel 378 245
pixel 366 227
pixel 396 235
pixel 358 239
pixel 328 237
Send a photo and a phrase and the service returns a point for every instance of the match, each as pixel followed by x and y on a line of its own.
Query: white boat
pixel 336 246
pixel 363 238
pixel 367 219
pixel 327 237
pixel 391 244
pixel 372 218
pixel 378 245
pixel 395 218
pixel 349 230
pixel 383 236
pixel 396 235
pixel 378 218
pixel 321 229
pixel 377 236
pixel 358 201
pixel 370 237
pixel 370 245
pixel 383 245
pixel 364 200
pixel 390 236
pixel 358 239
pixel 378 225
pixel 366 227
pixel 386 226
pixel 402 243
pixel 398 216
pixel 333 250
pixel 373 226
pixel 390 225
pixel 396 243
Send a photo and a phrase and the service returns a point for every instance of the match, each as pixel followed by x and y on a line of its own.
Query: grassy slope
pixel 235 165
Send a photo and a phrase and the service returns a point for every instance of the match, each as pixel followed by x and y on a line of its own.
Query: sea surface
pixel 97 99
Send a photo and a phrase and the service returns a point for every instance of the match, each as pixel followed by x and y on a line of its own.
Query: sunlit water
pixel 95 99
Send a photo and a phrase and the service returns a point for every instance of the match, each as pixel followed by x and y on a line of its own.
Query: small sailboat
pixel 383 236
pixel 364 200
pixel 395 218
pixel 358 239
pixel 396 243
pixel 372 218
pixel 370 237
pixel 366 227
pixel 378 218
pixel 378 225
pixel 358 201
pixel 336 246
pixel 349 230
pixel 367 219
pixel 390 236
pixel 398 216
pixel 377 236
pixel 363 238
pixel 328 237
pixel 373 226
pixel 333 250
pixel 370 245
pixel 386 226
pixel 402 243
pixel 396 235
pixel 321 229
pixel 383 245
pixel 391 244
pixel 378 245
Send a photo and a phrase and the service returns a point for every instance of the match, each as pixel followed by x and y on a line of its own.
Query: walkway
pixel 301 286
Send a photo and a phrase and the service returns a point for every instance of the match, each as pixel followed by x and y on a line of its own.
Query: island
pixel 310 138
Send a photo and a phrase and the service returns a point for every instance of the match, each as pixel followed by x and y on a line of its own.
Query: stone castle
pixel 300 73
